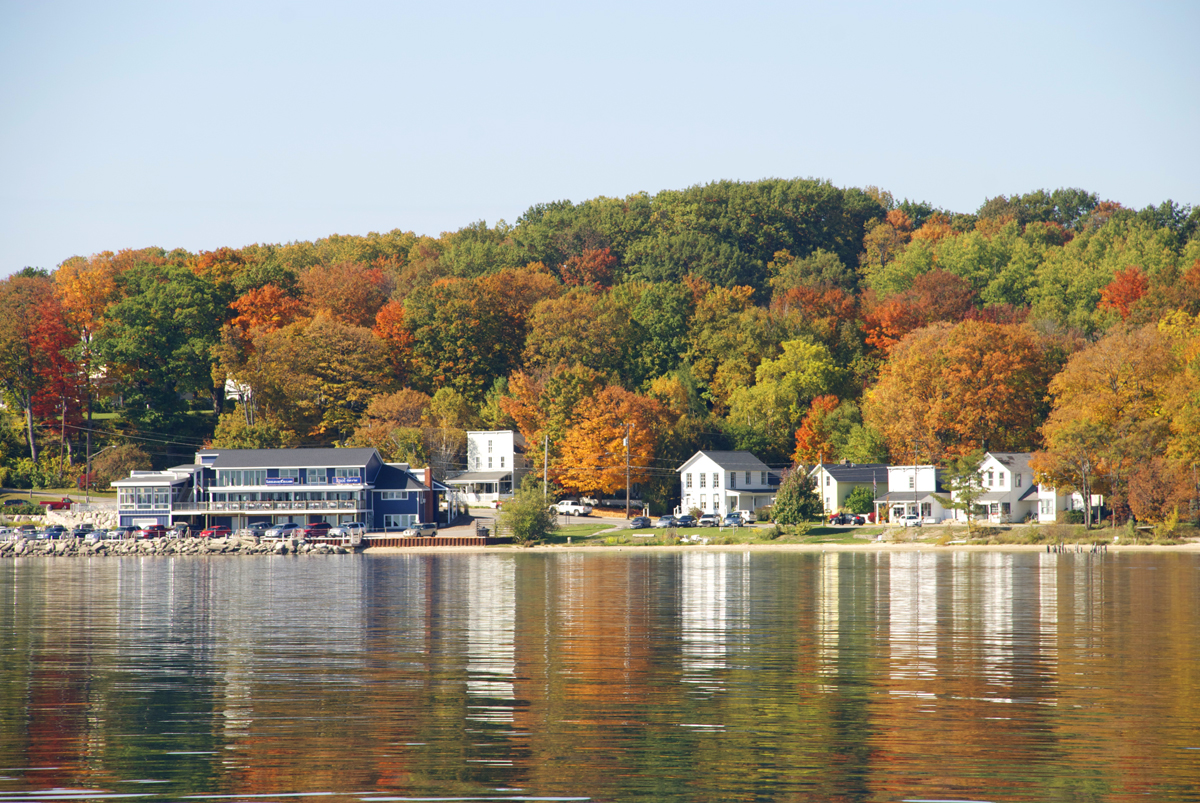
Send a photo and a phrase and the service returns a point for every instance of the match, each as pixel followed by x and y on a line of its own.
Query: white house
pixel 912 490
pixel 723 482
pixel 1009 492
pixel 835 481
pixel 1051 503
pixel 496 465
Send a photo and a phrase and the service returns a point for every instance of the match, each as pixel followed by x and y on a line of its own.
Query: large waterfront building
pixel 238 487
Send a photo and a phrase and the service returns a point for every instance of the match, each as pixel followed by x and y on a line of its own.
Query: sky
pixel 201 125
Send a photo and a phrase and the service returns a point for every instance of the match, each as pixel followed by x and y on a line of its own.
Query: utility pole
pixel 545 465
pixel 628 432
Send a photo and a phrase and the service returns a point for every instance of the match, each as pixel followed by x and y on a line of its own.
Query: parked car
pixel 216 531
pixel 841 519
pixel 257 529
pixel 314 530
pixel 27 529
pixel 179 529
pixel 152 531
pixel 82 530
pixel 860 518
pixel 685 520
pixel 639 523
pixel 911 520
pixel 571 507
pixel 708 520
pixel 348 529
pixel 15 502
pixel 667 521
pixel 285 530
pixel 53 531
pixel 423 528
pixel 733 520
pixel 62 504
pixel 123 532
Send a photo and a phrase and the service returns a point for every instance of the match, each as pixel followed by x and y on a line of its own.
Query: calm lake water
pixel 615 676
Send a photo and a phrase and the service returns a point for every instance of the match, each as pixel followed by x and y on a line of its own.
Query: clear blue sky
pixel 197 125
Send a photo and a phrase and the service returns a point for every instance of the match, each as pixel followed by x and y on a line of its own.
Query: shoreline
pixel 1191 546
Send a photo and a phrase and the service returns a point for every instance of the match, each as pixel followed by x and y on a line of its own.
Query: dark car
pixel 15 502
pixel 82 531
pixel 685 520
pixel 53 531
pixel 639 523
pixel 314 530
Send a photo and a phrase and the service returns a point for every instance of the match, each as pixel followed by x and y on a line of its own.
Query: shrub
pixel 763 513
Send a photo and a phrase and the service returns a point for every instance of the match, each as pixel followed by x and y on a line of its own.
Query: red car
pixel 151 531
pixel 317 528
pixel 62 504
pixel 216 531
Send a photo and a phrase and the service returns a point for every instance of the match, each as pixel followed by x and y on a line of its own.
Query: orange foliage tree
pixel 952 389
pixel 267 308
pixel 346 292
pixel 595 267
pixel 593 455
pixel 934 296
pixel 812 438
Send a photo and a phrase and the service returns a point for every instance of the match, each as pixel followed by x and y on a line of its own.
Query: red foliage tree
pixel 594 267
pixel 812 438
pixel 1126 288
pixel 934 296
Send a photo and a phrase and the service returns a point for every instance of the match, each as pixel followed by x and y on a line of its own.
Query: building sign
pixel 281 480
pixel 347 480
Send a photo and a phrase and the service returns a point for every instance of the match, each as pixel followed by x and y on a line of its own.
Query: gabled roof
pixel 293 458
pixel 729 461
pixel 1007 458
pixel 863 472
pixel 469 477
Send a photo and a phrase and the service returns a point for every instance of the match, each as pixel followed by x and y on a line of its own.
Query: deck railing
pixel 254 507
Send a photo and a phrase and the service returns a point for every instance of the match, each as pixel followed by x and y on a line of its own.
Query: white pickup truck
pixel 571 507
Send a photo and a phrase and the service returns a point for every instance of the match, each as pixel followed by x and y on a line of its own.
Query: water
pixel 630 676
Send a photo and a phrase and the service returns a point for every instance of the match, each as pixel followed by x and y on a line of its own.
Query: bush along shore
pixel 233 545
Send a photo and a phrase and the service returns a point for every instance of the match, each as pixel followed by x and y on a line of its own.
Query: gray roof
pixel 293 458
pixel 478 476
pixel 730 461
pixel 151 479
pixel 863 472
pixel 394 478
pixel 1007 458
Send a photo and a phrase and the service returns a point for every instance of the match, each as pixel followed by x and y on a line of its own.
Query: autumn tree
pixel 934 296
pixel 956 388
pixel 22 301
pixel 1126 289
pixel 797 499
pixel 346 292
pixel 1107 417
pixel 593 455
pixel 812 439
pixel 266 308
pixel 595 268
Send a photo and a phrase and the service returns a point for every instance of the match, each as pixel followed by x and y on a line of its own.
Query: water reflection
pixel 632 676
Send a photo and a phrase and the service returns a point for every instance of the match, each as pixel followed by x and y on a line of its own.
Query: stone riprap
pixel 234 545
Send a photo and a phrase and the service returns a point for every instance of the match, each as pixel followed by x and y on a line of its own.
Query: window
pixel 1001 479
pixel 162 497
pixel 489 447
pixel 733 479
pixel 398 521
pixel 1017 482
pixel 990 478
pixel 716 480
pixel 314 476
pixel 912 480
pixel 688 480
pixel 393 496
pixel 476 462
pixel 344 476
pixel 926 509
pixel 1005 508
pixel 704 501
pixel 763 481
pixel 489 461
pixel 828 480
pixel 747 479
pixel 501 461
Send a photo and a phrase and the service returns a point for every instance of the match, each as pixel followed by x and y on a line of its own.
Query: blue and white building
pixel 237 487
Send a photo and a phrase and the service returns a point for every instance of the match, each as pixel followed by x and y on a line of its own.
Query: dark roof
pixel 293 458
pixel 1006 458
pixel 394 478
pixel 478 476
pixel 862 472
pixel 1030 491
pixel 731 461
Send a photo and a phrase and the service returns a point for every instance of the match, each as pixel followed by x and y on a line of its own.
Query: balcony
pixel 259 507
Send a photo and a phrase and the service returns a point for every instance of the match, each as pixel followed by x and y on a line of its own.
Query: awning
pixel 472 477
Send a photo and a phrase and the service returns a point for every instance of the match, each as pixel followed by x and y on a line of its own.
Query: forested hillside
pixel 795 319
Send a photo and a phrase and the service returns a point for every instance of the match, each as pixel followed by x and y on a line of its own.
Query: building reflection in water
pixel 491 626
pixel 704 616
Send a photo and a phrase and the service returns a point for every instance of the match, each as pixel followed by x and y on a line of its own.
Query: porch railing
pixel 255 507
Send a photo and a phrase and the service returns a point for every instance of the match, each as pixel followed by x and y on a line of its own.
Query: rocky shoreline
pixel 233 545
